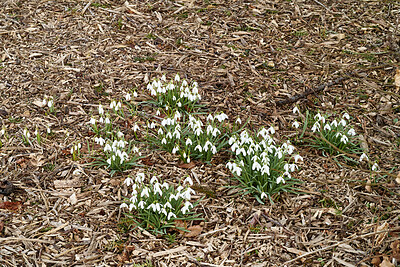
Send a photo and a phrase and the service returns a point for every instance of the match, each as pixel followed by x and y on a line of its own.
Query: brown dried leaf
pixel 381 237
pixel 8 205
pixel 397 79
pixel 386 263
pixel 189 165
pixel 376 261
pixel 368 186
pixel 195 230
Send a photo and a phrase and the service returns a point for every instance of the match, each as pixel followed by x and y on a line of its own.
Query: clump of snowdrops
pixel 189 137
pixel 176 94
pixel 156 205
pixel 116 154
pixel 333 135
pixel 262 168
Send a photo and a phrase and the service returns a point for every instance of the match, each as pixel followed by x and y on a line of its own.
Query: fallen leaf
pixel 7 205
pixel 67 183
pixel 386 263
pixel 368 186
pixel 255 219
pixel 381 237
pixel 39 103
pixel 398 178
pixel 376 261
pixel 397 79
pixel 189 165
pixel 147 161
pixel 195 230
pixel 73 199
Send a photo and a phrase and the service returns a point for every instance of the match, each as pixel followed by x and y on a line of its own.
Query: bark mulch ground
pixel 255 59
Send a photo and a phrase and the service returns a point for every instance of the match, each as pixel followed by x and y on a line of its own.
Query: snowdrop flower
pixel 92 121
pixel 297 158
pixel 128 96
pixel 99 140
pixel 271 130
pixel 164 141
pixel 214 150
pixel 296 124
pixel 256 166
pixel 216 132
pixel 170 215
pixel 319 117
pixel 351 132
pixel 344 139
pixel 101 120
pixel 363 156
pixel 120 134
pixel 296 110
pixel 231 140
pixel 107 121
pixel 135 94
pixel 44 102
pixel 346 116
pixel 26 133
pixel 107 147
pixel 199 148
pixel 327 127
pixel 375 167
pixel 158 112
pixel 177 78
pixel 101 110
pixel 175 149
pixel 265 170
pixel 113 104
pixel 128 181
pixel 172 196
pixel 157 188
pixel 210 117
pixel 188 142
pixel 141 204
pixel 109 161
pixel 139 177
pixel 47 129
pixel 145 192
pixel 186 207
pixel 160 131
pixel 184 83
pixel 238 121
pixel 263 195
pixel 124 205
pixel 315 127
pixel 135 127
pixel 154 180
pixel 221 117
pixel 280 180
pixel 188 180
pixel 334 123
pixel 187 194
pixel 343 122
pixel 50 103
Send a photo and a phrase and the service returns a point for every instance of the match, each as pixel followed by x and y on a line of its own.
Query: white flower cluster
pixel 175 93
pixel 196 137
pixel 48 100
pixel 260 156
pixel 159 198
pixel 340 129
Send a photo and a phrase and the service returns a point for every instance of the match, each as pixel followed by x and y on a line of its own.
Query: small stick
pixel 339 243
pixel 311 91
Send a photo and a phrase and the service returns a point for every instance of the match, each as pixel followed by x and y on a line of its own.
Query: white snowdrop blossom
pixel 295 124
pixel 92 121
pixel 297 158
pixel 351 132
pixel 186 207
pixel 375 167
pixel 135 127
pixel 327 127
pixel 296 110
pixel 238 121
pixel 101 110
pixel 135 94
pixel 128 96
pixel 363 156
pixel 344 139
pixel 346 116
pixel 315 127
pixel 188 180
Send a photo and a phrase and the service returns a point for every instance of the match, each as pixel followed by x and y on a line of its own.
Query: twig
pixel 339 243
pixel 311 91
